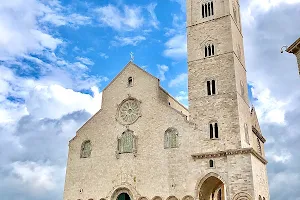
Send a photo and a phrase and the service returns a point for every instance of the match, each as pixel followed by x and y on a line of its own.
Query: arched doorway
pixel 123 196
pixel 211 188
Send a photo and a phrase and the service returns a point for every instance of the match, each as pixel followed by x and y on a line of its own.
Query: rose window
pixel 129 111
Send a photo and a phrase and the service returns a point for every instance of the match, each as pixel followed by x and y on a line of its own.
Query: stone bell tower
pixel 217 73
pixel 218 95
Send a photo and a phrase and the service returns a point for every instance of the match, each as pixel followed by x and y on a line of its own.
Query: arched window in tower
pixel 259 146
pixel 211 87
pixel 86 149
pixel 259 197
pixel 208 9
pixel 209 50
pixel 130 82
pixel 171 138
pixel 127 142
pixel 213 131
pixel 246 133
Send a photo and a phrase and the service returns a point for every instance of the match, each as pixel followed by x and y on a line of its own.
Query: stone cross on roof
pixel 131 57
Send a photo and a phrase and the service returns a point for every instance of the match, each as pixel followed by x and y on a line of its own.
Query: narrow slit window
pixel 130 82
pixel 216 131
pixel 213 49
pixel 208 88
pixel 206 51
pixel 211 163
pixel 212 8
pixel 208 9
pixel 213 86
pixel 211 129
pixel 209 50
pixel 203 11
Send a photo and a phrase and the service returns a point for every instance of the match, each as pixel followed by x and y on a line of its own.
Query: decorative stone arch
pixel 188 197
pixel 209 48
pixel 142 198
pixel 202 181
pixel 172 198
pixel 242 196
pixel 157 198
pixel 124 188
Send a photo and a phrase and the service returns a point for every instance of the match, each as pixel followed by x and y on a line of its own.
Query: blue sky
pixel 56 56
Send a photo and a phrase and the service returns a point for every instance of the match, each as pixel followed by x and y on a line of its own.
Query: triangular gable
pixel 126 66
pixel 254 120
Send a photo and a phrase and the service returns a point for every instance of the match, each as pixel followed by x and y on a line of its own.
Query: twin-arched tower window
pixel 209 50
pixel 207 9
pixel 171 138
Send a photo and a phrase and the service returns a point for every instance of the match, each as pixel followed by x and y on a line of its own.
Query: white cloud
pixel 181 79
pixel 85 61
pixel 21 30
pixel 151 9
pixel 182 96
pixel 124 41
pixel 269 109
pixel 176 47
pixel 39 178
pixel 54 101
pixel 129 18
pixel 283 156
pixel 104 55
pixel 182 4
pixel 162 69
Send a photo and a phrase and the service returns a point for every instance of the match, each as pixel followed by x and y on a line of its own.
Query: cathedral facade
pixel 145 145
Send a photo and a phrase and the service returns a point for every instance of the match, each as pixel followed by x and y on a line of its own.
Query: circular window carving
pixel 129 111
